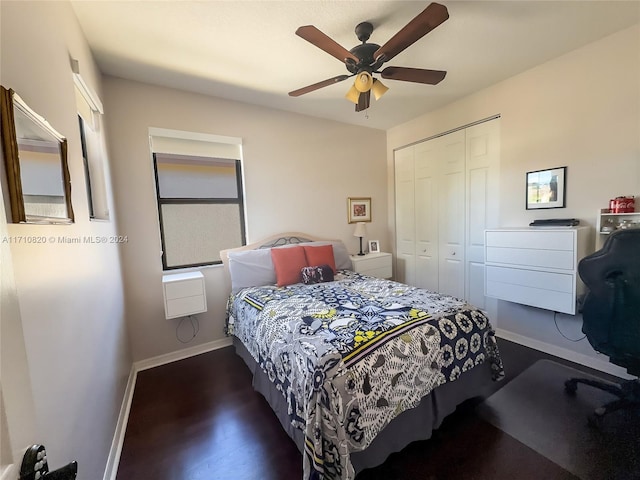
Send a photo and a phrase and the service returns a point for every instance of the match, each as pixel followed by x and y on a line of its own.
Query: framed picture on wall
pixel 359 209
pixel 546 188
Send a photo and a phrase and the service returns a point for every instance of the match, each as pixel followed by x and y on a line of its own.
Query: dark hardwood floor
pixel 199 418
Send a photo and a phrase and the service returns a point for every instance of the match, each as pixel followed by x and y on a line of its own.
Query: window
pixel 93 147
pixel 200 199
pixel 85 161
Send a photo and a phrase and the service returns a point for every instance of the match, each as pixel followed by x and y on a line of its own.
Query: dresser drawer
pixel 553 291
pixel 380 272
pixel 561 282
pixel 373 264
pixel 181 307
pixel 538 240
pixel 184 288
pixel 528 257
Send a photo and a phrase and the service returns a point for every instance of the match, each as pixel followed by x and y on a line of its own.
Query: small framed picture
pixel 359 209
pixel 546 188
pixel 374 246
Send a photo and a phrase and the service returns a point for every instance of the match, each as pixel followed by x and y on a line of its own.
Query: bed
pixel 354 367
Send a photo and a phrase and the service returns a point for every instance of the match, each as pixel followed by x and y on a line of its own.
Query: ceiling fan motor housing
pixel 364 53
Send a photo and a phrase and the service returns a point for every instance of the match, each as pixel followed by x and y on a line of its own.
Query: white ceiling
pixel 248 51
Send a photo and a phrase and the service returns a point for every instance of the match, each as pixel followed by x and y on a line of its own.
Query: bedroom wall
pixel 298 174
pixel 581 110
pixel 70 296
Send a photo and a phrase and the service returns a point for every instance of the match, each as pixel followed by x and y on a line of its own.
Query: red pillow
pixel 288 263
pixel 320 255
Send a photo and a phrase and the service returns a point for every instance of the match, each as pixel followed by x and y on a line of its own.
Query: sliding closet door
pixel 446 196
pixel 405 216
pixel 426 215
pixel 482 167
pixel 451 213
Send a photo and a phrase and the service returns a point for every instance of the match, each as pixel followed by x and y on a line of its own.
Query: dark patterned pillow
pixel 317 274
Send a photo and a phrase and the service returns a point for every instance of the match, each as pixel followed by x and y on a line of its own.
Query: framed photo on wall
pixel 374 246
pixel 359 209
pixel 546 188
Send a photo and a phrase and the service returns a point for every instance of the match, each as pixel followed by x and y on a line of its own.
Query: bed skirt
pixel 411 425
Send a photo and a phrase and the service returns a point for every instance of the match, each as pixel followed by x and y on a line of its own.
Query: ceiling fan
pixel 366 59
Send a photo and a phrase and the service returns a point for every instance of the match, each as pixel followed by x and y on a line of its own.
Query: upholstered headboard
pixel 342 258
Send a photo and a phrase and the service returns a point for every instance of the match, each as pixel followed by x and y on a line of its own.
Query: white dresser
pixel 184 294
pixel 373 264
pixel 536 266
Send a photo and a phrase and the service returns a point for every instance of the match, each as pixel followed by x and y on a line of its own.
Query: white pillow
pixel 251 268
pixel 341 255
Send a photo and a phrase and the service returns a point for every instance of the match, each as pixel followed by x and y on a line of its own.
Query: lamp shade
pixel 361 230
pixel 363 82
pixel 378 88
pixel 353 95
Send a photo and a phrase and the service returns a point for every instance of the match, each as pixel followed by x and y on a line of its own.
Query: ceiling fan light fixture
pixel 378 89
pixel 353 95
pixel 363 81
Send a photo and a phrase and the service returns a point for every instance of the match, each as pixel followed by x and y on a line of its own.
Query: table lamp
pixel 361 231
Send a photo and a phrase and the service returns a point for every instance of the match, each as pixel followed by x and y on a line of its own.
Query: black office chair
pixel 611 315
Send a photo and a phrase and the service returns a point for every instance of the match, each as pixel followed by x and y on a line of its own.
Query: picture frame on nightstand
pixel 374 246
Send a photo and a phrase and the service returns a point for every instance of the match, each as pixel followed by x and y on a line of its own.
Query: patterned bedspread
pixel 352 354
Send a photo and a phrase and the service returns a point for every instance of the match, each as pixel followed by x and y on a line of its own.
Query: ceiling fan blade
pixel 312 35
pixel 430 18
pixel 417 75
pixel 363 101
pixel 316 86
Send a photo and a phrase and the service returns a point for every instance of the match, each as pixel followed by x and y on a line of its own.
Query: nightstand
pixel 184 294
pixel 373 264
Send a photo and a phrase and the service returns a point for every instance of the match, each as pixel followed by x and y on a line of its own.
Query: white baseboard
pixel 182 354
pixel 9 472
pixel 580 358
pixel 113 461
pixel 118 438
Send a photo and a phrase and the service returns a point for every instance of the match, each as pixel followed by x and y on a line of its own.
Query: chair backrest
pixel 611 310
